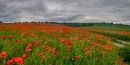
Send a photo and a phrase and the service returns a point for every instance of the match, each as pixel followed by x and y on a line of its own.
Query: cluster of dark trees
pixel 74 24
pixel 93 24
pixel 29 22
pixel 1 22
pixel 37 22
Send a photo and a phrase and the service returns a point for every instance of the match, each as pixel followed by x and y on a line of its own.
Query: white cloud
pixel 65 10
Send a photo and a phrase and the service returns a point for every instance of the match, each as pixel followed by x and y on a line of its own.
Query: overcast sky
pixel 66 10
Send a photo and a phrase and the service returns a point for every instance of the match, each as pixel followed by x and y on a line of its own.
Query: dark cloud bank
pixel 66 10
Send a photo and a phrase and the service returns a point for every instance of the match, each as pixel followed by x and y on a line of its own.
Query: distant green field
pixel 109 27
pixel 111 30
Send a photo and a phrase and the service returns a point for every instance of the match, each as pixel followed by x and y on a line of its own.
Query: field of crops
pixel 52 44
pixel 119 32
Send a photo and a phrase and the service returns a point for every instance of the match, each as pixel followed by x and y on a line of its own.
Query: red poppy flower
pixel 10 62
pixel 69 43
pixel 24 56
pixel 83 38
pixel 93 44
pixel 107 47
pixel 41 54
pixel 47 48
pixel 122 63
pixel 75 58
pixel 63 40
pixel 43 37
pixel 28 48
pixel 17 40
pixel 4 55
pixel 49 33
pixel 55 52
pixel 18 60
pixel 3 37
pixel 45 43
pixel 26 33
pixel 86 51
pixel 36 43
pixel 69 46
pixel 34 35
pixel 104 52
pixel 10 37
pixel 30 44
pixel 76 38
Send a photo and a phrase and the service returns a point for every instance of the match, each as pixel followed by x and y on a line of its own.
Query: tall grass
pixel 58 48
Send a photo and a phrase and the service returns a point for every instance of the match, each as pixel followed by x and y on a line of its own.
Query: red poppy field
pixel 53 44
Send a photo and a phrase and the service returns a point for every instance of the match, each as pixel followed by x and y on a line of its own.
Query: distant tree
pixel 43 22
pixel 1 22
pixel 111 23
pixel 34 22
pixel 120 24
pixel 46 21
pixel 17 22
pixel 103 22
pixel 90 24
pixel 25 22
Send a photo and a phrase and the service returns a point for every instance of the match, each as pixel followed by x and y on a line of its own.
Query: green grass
pixel 114 35
pixel 110 26
pixel 110 30
pixel 64 56
pixel 125 53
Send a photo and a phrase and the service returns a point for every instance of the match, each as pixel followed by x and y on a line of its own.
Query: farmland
pixel 121 32
pixel 54 44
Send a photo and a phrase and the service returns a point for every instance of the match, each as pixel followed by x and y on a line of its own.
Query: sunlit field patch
pixel 49 44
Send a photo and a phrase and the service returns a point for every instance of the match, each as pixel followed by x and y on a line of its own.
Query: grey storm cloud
pixel 65 10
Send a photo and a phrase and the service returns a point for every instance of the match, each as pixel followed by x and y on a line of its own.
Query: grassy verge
pixel 125 53
pixel 114 35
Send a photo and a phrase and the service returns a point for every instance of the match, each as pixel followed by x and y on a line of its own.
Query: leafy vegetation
pixel 125 53
pixel 113 35
pixel 55 45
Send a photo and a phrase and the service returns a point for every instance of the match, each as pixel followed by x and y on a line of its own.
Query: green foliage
pixel 117 36
pixel 125 53
pixel 64 57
